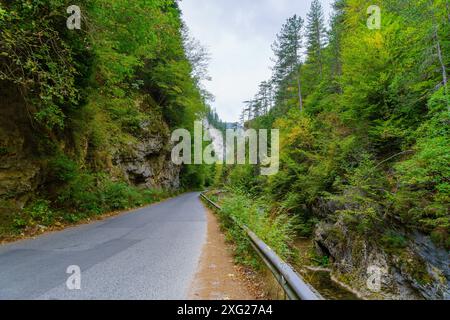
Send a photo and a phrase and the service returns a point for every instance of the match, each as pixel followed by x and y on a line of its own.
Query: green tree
pixel 287 49
pixel 316 36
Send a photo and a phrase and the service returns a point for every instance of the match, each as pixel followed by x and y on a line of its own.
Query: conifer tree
pixel 316 36
pixel 287 49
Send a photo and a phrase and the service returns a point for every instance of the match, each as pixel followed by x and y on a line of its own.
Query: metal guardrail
pixel 291 282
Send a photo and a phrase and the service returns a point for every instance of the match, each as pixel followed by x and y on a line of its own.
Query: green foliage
pixel 3 151
pixel 154 195
pixel 121 196
pixel 245 178
pixel 125 74
pixel 37 213
pixel 36 56
pixel 96 193
pixel 84 196
pixel 319 260
pixel 393 241
pixel 424 192
pixel 62 168
pixel 94 93
pixel 277 232
pixel 316 32
pixel 372 143
pixel 194 177
pixel 81 194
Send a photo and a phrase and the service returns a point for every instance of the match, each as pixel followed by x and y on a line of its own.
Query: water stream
pixel 319 280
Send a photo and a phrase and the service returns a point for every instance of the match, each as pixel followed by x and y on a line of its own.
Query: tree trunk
pixel 441 60
pixel 299 83
pixel 448 10
pixel 439 53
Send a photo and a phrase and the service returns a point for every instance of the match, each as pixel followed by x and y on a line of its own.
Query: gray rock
pixel 148 164
pixel 418 271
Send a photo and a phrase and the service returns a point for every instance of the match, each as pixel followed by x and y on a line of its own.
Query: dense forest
pixel 363 115
pixel 87 113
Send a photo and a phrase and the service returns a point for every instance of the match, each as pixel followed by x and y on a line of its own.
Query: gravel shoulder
pixel 217 277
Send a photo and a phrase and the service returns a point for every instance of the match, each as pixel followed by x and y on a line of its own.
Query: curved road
pixel 150 253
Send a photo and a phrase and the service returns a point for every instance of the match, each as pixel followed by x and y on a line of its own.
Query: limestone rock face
pixel 144 162
pixel 20 172
pixel 147 163
pixel 418 271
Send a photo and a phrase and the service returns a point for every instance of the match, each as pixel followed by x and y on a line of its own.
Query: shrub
pixel 393 241
pixel 277 232
pixel 119 195
pixel 151 195
pixel 81 194
pixel 424 189
pixel 39 212
pixel 3 151
pixel 96 193
pixel 193 176
pixel 62 168
pixel 246 178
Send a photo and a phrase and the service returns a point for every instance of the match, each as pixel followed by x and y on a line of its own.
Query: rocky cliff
pixel 20 172
pixel 147 164
pixel 416 269
pixel 144 161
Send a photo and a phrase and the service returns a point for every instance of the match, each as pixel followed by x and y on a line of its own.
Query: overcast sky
pixel 238 35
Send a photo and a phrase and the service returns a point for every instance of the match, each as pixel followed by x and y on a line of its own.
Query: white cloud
pixel 239 34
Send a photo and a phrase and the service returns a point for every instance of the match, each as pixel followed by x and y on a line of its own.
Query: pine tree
pixel 264 97
pixel 242 118
pixel 287 50
pixel 316 36
pixel 334 46
pixel 248 109
pixel 256 106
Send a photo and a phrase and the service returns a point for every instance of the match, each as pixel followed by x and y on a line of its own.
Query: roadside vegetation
pixel 80 203
pixel 369 140
pixel 277 231
pixel 364 127
pixel 83 100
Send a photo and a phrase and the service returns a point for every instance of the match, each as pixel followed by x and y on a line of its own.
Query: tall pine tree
pixel 316 36
pixel 287 49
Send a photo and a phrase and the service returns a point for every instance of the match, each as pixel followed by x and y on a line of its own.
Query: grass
pixel 276 231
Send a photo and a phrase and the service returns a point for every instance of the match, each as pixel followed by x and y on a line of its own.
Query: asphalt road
pixel 151 253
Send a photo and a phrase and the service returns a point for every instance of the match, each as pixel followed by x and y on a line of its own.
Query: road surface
pixel 151 253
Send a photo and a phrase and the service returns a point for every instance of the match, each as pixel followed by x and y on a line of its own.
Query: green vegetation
pixel 3 151
pixel 131 73
pixel 277 232
pixel 393 241
pixel 84 203
pixel 364 123
pixel 97 193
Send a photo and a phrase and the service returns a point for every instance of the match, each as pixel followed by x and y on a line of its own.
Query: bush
pixel 424 189
pixel 277 232
pixel 96 193
pixel 3 151
pixel 393 241
pixel 82 195
pixel 119 195
pixel 62 168
pixel 441 238
pixel 246 178
pixel 39 212
pixel 193 176
pixel 151 196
